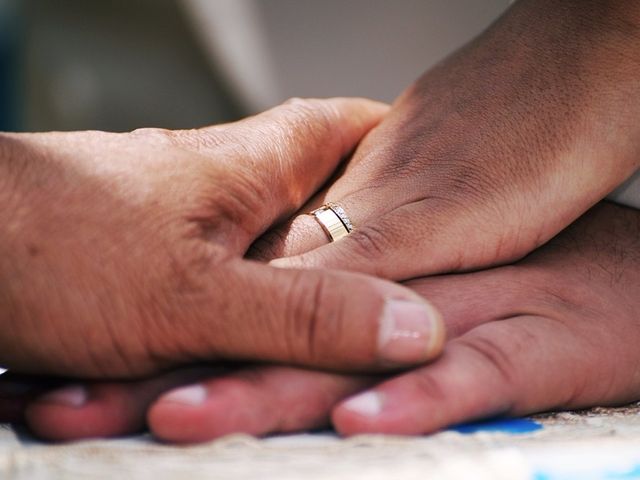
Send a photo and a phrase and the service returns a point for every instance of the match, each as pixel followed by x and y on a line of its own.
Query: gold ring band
pixel 333 220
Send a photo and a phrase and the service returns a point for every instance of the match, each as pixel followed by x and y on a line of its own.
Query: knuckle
pixel 301 106
pixel 370 241
pixel 560 298
pixel 308 116
pixel 302 103
pixel 429 386
pixel 246 202
pixel 545 293
pixel 494 354
pixel 192 139
pixel 199 140
pixel 237 203
pixel 295 101
pixel 161 136
pixel 469 182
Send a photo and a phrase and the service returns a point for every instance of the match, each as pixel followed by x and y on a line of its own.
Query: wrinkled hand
pixel 557 330
pixel 486 157
pixel 123 251
pixel 492 152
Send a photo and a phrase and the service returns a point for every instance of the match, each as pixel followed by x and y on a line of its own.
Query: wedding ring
pixel 333 220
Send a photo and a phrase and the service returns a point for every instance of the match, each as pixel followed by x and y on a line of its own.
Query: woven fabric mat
pixel 593 444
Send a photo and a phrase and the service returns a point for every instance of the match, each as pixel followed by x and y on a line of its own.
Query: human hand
pixel 556 330
pixel 123 251
pixel 510 139
pixel 492 152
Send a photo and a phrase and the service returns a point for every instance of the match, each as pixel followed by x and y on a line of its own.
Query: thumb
pixel 320 318
pixel 284 155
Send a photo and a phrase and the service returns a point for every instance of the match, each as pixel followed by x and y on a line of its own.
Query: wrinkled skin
pixel 490 153
pixel 558 329
pixel 124 250
pixel 486 157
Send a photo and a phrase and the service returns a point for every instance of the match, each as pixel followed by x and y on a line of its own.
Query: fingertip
pixel 77 412
pixel 200 413
pixel 385 409
pixel 335 319
pixel 190 395
pixel 410 331
pixel 103 409
pixel 358 414
pixel 176 417
pixel 71 396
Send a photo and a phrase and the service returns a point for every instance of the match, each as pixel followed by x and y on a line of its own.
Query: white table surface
pixel 595 444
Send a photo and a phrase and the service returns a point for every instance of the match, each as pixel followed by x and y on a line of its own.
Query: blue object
pixel 632 473
pixel 513 426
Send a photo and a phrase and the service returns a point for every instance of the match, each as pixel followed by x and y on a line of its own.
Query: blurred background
pixel 123 64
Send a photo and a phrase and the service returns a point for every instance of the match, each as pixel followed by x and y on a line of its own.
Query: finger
pixel 304 233
pixel 400 244
pixel 515 367
pixel 300 234
pixel 460 298
pixel 255 401
pixel 326 319
pixel 357 188
pixel 467 300
pixel 470 299
pixel 103 409
pixel 285 154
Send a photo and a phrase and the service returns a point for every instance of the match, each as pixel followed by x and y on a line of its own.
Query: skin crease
pixel 116 238
pixel 558 329
pixel 512 137
pixel 510 143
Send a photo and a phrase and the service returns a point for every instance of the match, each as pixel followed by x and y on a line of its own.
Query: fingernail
pixel 368 404
pixel 279 263
pixel 192 395
pixel 409 332
pixel 71 396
